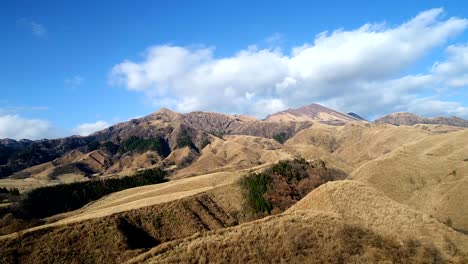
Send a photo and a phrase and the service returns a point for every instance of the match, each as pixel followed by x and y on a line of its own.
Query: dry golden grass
pixel 140 197
pixel 298 237
pixel 343 221
pixel 430 175
pixel 234 153
pixel 401 177
pixel 27 184
pixel 360 204
pixel 347 147
pixel 118 237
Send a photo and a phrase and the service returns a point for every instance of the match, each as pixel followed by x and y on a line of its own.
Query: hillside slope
pixel 430 174
pixel 327 226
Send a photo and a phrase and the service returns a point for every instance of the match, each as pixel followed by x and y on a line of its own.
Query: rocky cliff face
pixel 409 119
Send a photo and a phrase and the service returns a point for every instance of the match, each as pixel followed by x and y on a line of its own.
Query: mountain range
pixel 390 190
pixel 169 128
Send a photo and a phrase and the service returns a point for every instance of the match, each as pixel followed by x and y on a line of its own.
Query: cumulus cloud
pixel 37 29
pixel 454 71
pixel 357 70
pixel 16 127
pixel 89 128
pixel 433 107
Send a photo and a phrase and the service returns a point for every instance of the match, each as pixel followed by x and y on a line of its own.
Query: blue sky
pixel 72 68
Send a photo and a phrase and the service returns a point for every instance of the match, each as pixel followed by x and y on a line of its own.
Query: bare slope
pixel 233 153
pixel 351 145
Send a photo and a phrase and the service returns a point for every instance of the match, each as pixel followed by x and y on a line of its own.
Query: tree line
pixel 46 201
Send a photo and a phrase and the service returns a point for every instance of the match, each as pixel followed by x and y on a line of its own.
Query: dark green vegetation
pixel 18 155
pixel 256 185
pixel 132 144
pixel 184 140
pixel 140 145
pixel 12 191
pixel 9 195
pixel 205 142
pixel 281 137
pixel 47 201
pixel 285 183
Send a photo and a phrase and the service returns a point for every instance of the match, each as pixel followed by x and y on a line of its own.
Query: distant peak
pixel 409 119
pixel 165 111
pixel 312 112
pixel 357 116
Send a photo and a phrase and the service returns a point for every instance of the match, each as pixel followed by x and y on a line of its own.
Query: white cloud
pixel 16 127
pixel 356 70
pixel 36 28
pixel 454 70
pixel 433 107
pixel 74 81
pixel 89 128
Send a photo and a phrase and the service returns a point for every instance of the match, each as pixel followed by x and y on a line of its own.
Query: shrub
pixel 140 145
pixel 280 137
pixel 110 147
pixel 205 143
pixel 219 134
pixel 93 146
pixel 184 140
pixel 256 185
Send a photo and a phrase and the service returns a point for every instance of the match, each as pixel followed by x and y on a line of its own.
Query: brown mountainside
pixel 409 119
pixel 313 112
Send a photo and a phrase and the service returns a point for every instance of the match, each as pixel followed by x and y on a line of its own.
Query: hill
pixel 409 119
pixel 327 226
pixel 313 112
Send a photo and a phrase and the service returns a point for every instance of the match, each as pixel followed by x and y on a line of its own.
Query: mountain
pixel 404 200
pixel 409 119
pixel 127 146
pixel 165 128
pixel 313 112
pixel 356 116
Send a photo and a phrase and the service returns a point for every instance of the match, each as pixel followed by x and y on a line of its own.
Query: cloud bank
pixel 358 70
pixel 89 128
pixel 16 127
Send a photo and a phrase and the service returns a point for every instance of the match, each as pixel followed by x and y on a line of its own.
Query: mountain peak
pixel 312 112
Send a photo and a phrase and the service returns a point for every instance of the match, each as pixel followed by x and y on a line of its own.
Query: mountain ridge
pixel 312 112
pixel 409 119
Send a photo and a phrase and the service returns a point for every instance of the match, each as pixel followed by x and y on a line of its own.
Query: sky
pixel 75 67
